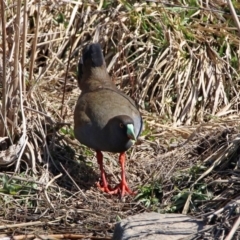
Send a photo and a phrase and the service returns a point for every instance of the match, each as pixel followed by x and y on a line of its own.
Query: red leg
pixel 123 187
pixel 104 186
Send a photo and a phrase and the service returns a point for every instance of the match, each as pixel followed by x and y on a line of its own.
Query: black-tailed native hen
pixel 105 119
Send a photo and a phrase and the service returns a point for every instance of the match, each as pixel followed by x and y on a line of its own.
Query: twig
pixel 24 49
pixel 231 204
pixel 52 236
pixel 41 113
pixel 35 40
pixel 80 190
pixel 25 179
pixel 4 90
pixel 17 225
pixel 24 124
pixel 233 230
pixel 235 17
pixel 48 184
pixel 15 80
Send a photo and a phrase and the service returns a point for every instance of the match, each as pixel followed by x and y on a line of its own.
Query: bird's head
pixel 122 127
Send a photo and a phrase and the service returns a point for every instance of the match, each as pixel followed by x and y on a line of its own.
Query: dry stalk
pixel 24 48
pixel 4 67
pixel 35 40
pixel 234 14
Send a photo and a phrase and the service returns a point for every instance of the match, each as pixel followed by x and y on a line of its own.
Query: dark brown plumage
pixel 105 119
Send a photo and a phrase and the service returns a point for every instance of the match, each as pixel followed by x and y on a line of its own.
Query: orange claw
pixel 105 188
pixel 121 188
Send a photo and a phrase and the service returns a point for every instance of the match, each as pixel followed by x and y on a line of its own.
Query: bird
pixel 105 118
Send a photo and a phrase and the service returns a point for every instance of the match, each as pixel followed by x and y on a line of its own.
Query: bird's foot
pixel 121 188
pixel 105 188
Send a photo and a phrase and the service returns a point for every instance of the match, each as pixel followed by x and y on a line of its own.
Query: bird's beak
pixel 130 132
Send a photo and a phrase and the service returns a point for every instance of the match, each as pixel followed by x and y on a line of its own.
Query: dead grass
pixel 179 61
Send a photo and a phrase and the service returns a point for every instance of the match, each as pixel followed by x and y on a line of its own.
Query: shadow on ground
pixel 77 171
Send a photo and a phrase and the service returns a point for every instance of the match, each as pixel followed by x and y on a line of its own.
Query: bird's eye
pixel 121 125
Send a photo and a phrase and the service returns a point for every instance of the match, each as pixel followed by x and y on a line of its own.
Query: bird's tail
pixel 93 54
pixel 92 57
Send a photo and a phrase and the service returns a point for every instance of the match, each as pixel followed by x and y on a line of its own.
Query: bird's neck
pixel 94 79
